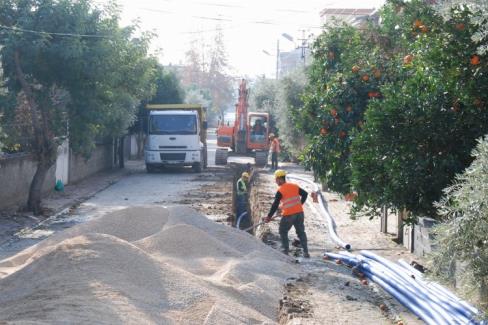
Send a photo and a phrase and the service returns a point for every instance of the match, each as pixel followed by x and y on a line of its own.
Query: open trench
pixel 323 291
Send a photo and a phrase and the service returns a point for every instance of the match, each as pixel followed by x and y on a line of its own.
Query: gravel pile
pixel 145 265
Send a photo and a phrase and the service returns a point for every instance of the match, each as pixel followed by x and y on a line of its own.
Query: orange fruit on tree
pixel 333 112
pixel 342 134
pixel 324 131
pixel 365 77
pixel 424 29
pixel 355 69
pixel 460 26
pixel 456 107
pixel 477 102
pixel 417 23
pixel 475 59
pixel 377 73
pixel 408 59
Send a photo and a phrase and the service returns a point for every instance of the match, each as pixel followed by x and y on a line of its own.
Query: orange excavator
pixel 249 134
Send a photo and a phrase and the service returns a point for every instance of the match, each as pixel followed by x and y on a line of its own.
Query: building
pixel 355 17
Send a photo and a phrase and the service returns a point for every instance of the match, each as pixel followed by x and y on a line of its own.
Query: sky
pixel 250 28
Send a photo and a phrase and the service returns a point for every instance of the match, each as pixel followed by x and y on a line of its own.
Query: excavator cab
pixel 258 131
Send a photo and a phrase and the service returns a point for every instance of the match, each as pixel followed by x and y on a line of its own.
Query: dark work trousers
pixel 274 160
pixel 241 207
pixel 286 223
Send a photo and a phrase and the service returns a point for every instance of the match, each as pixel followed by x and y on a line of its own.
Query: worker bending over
pixel 290 198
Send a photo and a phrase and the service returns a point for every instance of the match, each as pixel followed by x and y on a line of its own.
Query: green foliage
pixel 290 102
pixel 461 238
pixel 168 88
pixel 421 133
pixel 206 80
pixel 95 82
pixel 344 77
pixel 393 111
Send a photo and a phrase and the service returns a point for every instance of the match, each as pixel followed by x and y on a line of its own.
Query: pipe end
pixel 348 247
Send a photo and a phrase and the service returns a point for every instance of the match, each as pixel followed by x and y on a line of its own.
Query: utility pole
pixel 277 59
pixel 304 45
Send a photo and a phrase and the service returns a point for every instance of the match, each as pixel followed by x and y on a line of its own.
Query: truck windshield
pixel 173 124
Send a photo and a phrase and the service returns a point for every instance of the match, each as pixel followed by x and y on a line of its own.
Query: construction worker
pixel 241 191
pixel 275 150
pixel 291 197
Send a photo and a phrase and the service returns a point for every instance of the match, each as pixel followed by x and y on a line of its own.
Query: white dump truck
pixel 176 136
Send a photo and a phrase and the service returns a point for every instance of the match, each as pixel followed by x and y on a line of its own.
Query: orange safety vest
pixel 290 200
pixel 275 145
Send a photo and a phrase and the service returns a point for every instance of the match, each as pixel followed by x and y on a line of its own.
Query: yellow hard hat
pixel 280 173
pixel 245 174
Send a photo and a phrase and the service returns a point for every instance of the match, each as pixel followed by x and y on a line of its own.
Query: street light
pixel 288 37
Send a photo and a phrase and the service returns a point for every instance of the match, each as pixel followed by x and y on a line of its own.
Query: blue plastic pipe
pixel 441 292
pixel 453 307
pixel 330 221
pixel 411 292
pixel 239 219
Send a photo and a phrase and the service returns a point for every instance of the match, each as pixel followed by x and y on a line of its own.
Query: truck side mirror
pixel 205 125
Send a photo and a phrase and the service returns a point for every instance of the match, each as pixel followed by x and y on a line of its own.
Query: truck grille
pixel 173 156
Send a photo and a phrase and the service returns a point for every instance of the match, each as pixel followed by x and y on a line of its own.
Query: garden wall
pixel 16 173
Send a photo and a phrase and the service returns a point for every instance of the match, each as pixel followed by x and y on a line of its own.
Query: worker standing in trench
pixel 241 191
pixel 292 197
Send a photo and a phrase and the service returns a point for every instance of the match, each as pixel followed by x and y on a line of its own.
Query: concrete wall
pixel 418 238
pixel 422 236
pixel 16 173
pixel 100 159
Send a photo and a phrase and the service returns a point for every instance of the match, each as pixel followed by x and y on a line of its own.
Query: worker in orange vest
pixel 275 150
pixel 290 198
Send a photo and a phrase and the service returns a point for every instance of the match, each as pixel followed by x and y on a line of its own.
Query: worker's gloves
pixel 315 197
pixel 267 219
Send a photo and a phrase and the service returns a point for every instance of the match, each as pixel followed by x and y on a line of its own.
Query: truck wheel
pixel 150 169
pixel 221 156
pixel 205 157
pixel 197 167
pixel 261 158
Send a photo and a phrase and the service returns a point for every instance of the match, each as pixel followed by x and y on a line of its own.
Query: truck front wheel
pixel 197 167
pixel 150 168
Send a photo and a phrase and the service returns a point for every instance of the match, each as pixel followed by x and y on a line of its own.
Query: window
pixel 173 124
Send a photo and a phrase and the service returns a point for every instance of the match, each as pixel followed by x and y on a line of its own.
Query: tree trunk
pixel 35 191
pixel 121 152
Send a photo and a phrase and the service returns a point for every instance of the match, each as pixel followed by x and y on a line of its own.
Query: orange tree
pixel 422 132
pixel 345 75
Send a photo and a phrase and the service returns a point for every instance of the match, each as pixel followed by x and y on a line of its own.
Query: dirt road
pixel 325 293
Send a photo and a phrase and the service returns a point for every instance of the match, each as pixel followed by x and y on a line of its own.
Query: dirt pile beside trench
pixel 145 265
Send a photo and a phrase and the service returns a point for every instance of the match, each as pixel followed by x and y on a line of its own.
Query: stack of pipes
pixel 430 301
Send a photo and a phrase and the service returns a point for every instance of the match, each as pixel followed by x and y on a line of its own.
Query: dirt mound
pixel 147 265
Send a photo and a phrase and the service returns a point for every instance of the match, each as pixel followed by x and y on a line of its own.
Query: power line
pixel 22 30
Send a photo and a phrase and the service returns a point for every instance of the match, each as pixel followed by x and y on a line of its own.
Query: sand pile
pixel 145 265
